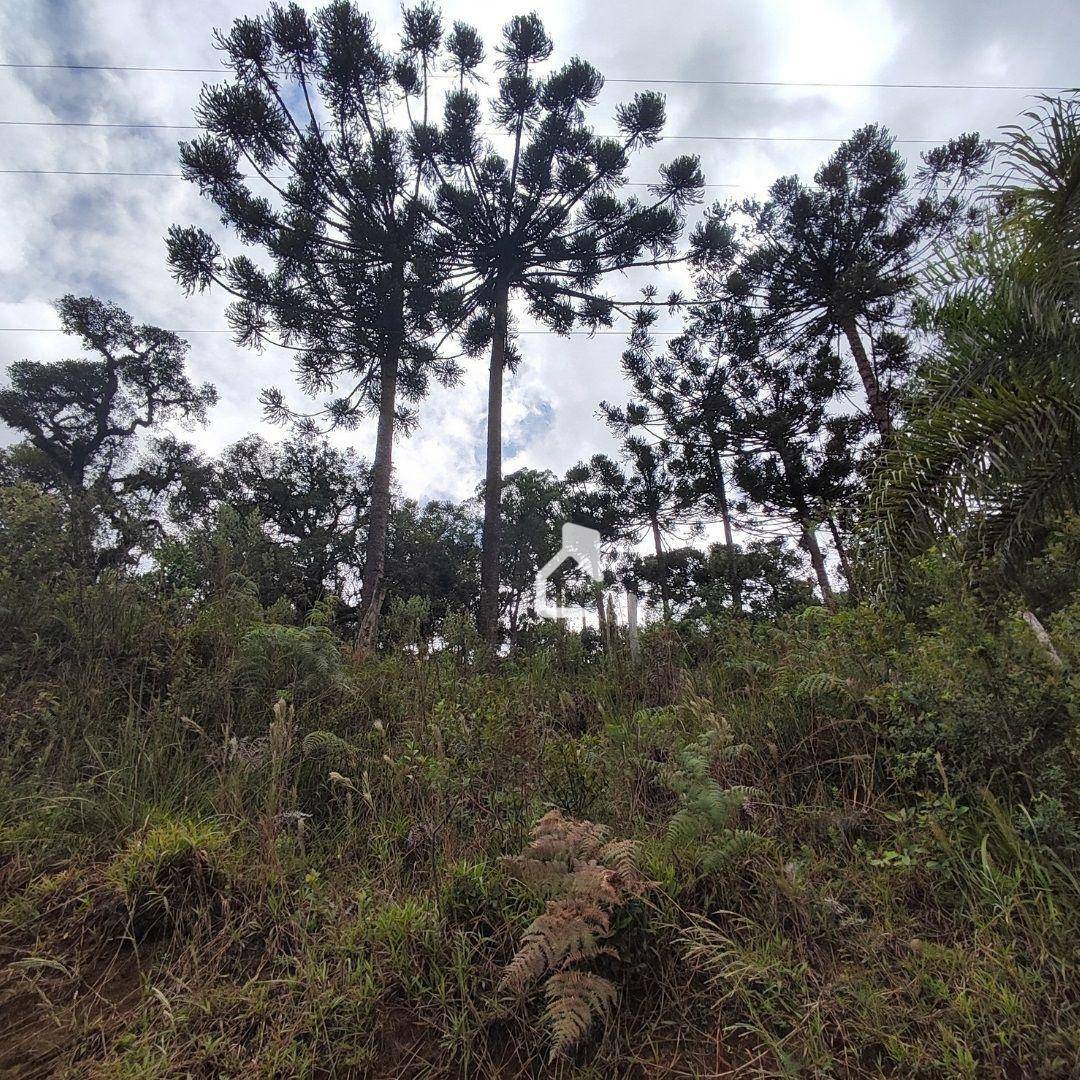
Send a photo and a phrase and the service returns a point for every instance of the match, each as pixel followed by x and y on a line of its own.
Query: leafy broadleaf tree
pixel 537 217
pixel 434 553
pixel 841 255
pixel 222 556
pixel 82 421
pixel 316 154
pixel 589 499
pixel 531 512
pixel 647 500
pixel 672 581
pixel 312 498
pixel 769 574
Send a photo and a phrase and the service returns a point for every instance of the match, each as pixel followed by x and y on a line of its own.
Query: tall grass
pixel 233 848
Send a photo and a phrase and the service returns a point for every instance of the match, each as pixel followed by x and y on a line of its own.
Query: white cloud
pixel 105 235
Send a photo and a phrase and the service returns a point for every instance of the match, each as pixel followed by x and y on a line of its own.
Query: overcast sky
pixel 104 235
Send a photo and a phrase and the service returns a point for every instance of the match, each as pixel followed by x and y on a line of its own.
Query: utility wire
pixel 179 176
pixel 690 138
pixel 97 124
pixel 650 82
pixel 91 172
pixel 115 67
pixel 531 333
pixel 839 85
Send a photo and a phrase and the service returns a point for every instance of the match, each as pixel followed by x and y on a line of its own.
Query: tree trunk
pixel 601 615
pixel 810 542
pixel 661 567
pixel 632 623
pixel 515 620
pixel 1041 635
pixel 879 411
pixel 367 632
pixel 489 562
pixel 841 551
pixel 725 516
pixel 81 530
pixel 379 507
pixel 809 535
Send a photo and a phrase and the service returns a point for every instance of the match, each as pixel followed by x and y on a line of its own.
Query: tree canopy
pixel 81 420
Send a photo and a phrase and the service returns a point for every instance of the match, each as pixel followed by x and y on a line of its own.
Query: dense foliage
pixel 840 842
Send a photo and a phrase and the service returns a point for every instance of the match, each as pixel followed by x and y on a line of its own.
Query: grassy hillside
pixel 838 845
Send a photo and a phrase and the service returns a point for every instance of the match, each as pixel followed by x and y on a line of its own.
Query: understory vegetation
pixel 833 844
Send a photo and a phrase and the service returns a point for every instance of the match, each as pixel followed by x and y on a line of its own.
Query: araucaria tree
pixel 841 255
pixel 648 501
pixel 792 456
pixel 680 395
pixel 536 217
pixel 332 131
pixel 82 419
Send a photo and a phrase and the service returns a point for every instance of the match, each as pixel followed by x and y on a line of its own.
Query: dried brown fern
pixel 569 929
pixel 574 1001
pixel 587 878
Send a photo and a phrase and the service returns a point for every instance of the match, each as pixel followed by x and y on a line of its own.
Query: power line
pixel 116 67
pixel 180 176
pixel 547 333
pixel 650 82
pixel 97 124
pixel 790 138
pixel 839 85
pixel 86 172
pixel 690 138
pixel 58 330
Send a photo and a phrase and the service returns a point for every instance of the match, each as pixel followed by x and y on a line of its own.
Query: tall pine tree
pixel 316 153
pixel 680 395
pixel 794 456
pixel 536 217
pixel 840 255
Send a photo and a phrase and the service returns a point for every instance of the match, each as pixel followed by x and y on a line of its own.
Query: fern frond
pixel 571 927
pixel 818 683
pixel 598 883
pixel 702 824
pixel 575 1000
pixel 331 749
pixel 729 753
pixel 592 877
pixel 746 793
pixel 734 845
pixel 683 828
pixel 537 872
pixel 621 855
pixel 558 837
